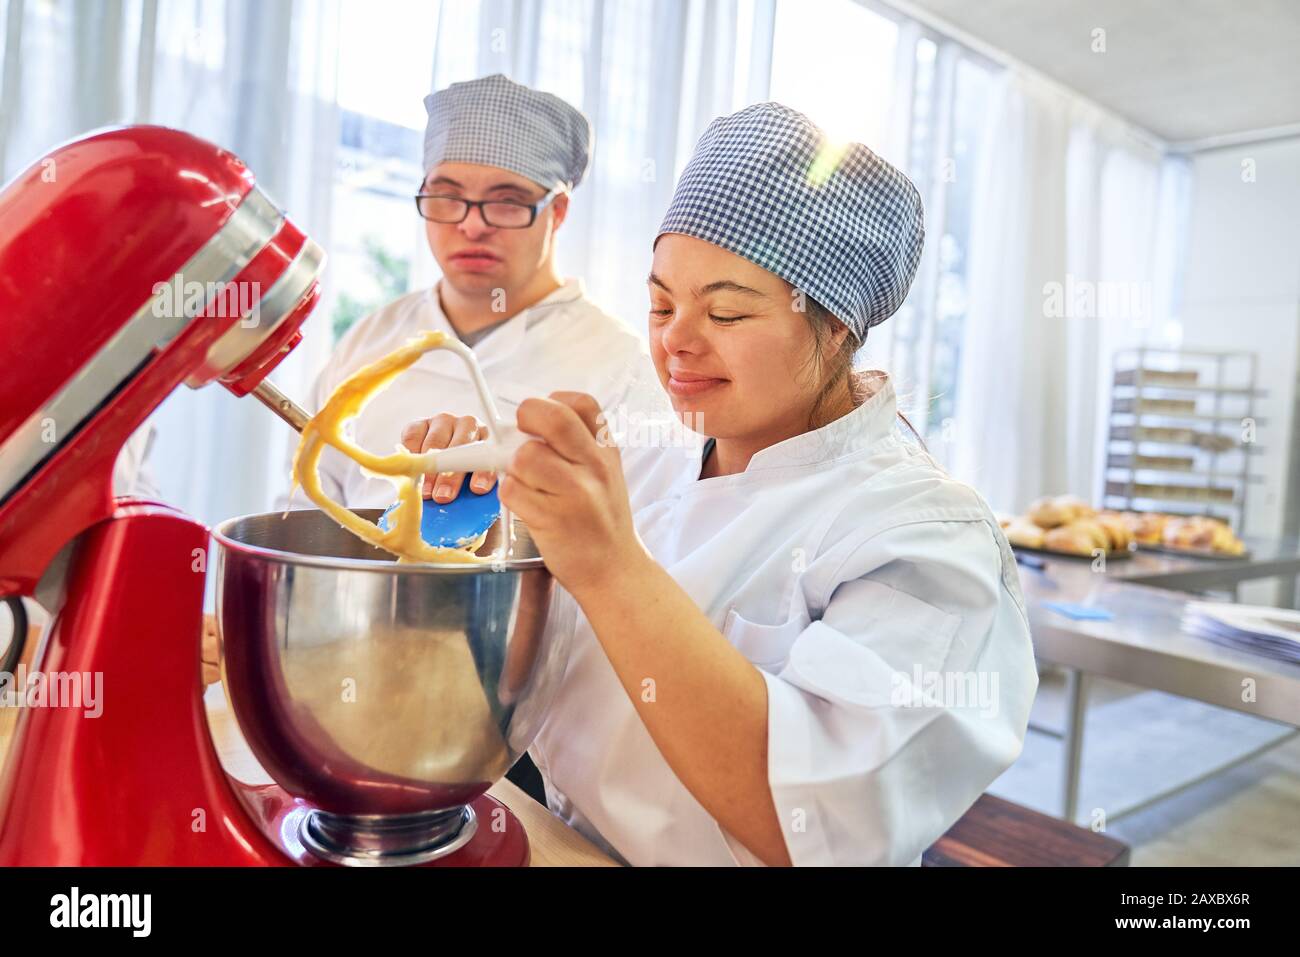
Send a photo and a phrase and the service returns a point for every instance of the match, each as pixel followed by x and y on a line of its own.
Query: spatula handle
pixel 489 455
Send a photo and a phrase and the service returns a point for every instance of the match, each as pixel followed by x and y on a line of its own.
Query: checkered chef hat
pixel 835 221
pixel 493 121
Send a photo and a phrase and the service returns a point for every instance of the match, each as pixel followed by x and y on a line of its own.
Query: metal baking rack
pixel 1181 432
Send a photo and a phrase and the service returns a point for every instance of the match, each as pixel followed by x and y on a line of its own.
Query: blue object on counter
pixel 1079 612
pixel 451 524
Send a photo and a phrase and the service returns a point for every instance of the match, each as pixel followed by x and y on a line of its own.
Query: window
pixel 919 101
pixel 813 48
pixel 385 66
pixel 950 299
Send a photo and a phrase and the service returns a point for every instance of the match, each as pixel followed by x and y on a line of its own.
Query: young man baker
pixel 500 162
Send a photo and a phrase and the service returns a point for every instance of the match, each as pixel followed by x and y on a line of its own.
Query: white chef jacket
pixel 132 472
pixel 563 342
pixel 852 571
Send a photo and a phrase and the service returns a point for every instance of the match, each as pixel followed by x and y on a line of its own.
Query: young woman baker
pixel 803 643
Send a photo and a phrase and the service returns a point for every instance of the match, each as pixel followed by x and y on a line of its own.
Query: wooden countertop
pixel 553 843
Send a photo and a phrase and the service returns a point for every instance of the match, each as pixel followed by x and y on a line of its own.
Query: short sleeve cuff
pixel 788 749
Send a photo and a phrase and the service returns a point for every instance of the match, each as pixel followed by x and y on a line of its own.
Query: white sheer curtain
pixel 1008 440
pixel 256 78
pixel 1072 205
pixel 1119 217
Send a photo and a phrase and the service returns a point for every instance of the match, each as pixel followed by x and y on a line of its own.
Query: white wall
pixel 1242 291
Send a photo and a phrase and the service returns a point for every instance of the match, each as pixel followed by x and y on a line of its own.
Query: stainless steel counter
pixel 1144 644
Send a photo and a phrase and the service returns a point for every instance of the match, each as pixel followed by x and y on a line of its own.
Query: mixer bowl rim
pixel 220 533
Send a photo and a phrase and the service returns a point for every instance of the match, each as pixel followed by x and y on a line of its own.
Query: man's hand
pixel 442 432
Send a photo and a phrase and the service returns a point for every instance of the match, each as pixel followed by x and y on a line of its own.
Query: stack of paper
pixel 1273 632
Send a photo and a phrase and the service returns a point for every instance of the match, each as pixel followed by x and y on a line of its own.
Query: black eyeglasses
pixel 498 213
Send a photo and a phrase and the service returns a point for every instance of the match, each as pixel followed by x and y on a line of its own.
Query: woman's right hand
pixel 442 432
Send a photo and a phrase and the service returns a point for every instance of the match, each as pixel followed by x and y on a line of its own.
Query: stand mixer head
pixel 132 260
pixel 122 254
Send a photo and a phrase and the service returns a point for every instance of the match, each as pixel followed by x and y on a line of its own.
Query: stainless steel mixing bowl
pixel 387 696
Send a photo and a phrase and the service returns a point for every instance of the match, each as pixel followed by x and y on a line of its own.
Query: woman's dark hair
pixel 837 375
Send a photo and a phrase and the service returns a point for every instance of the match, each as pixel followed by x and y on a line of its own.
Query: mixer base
pixel 495 839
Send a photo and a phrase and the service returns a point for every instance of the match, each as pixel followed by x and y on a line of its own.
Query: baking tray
pixel 1194 552
pixel 1119 555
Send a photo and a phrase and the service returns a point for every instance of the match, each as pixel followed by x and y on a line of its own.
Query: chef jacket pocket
pixel 766 646
pixel 871 645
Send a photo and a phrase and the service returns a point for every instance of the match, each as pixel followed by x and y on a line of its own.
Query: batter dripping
pixel 403 468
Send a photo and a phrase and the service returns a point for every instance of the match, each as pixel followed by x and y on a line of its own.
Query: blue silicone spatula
pixel 456 523
pixel 469 514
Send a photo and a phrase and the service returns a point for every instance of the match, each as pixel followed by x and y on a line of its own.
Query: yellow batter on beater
pixel 403 468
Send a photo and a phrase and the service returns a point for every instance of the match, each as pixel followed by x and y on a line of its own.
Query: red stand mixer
pixel 131 261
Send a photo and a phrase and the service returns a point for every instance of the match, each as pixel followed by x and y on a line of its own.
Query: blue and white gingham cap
pixel 836 222
pixel 493 121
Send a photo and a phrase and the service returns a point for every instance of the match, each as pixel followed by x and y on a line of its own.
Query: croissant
pixel 1024 533
pixel 1188 533
pixel 1203 532
pixel 1075 538
pixel 1047 512
pixel 1116 529
pixel 1078 506
pixel 1093 529
pixel 1147 527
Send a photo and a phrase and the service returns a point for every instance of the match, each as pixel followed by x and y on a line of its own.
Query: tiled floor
pixel 1247 815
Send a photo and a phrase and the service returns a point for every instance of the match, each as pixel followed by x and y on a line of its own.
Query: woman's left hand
pixel 569 491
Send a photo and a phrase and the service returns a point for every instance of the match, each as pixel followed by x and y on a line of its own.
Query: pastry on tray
pixel 1022 532
pixel 1121 536
pixel 1081 508
pixel 1068 524
pixel 1077 538
pixel 1052 511
pixel 1094 530
pixel 1148 528
pixel 1201 533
